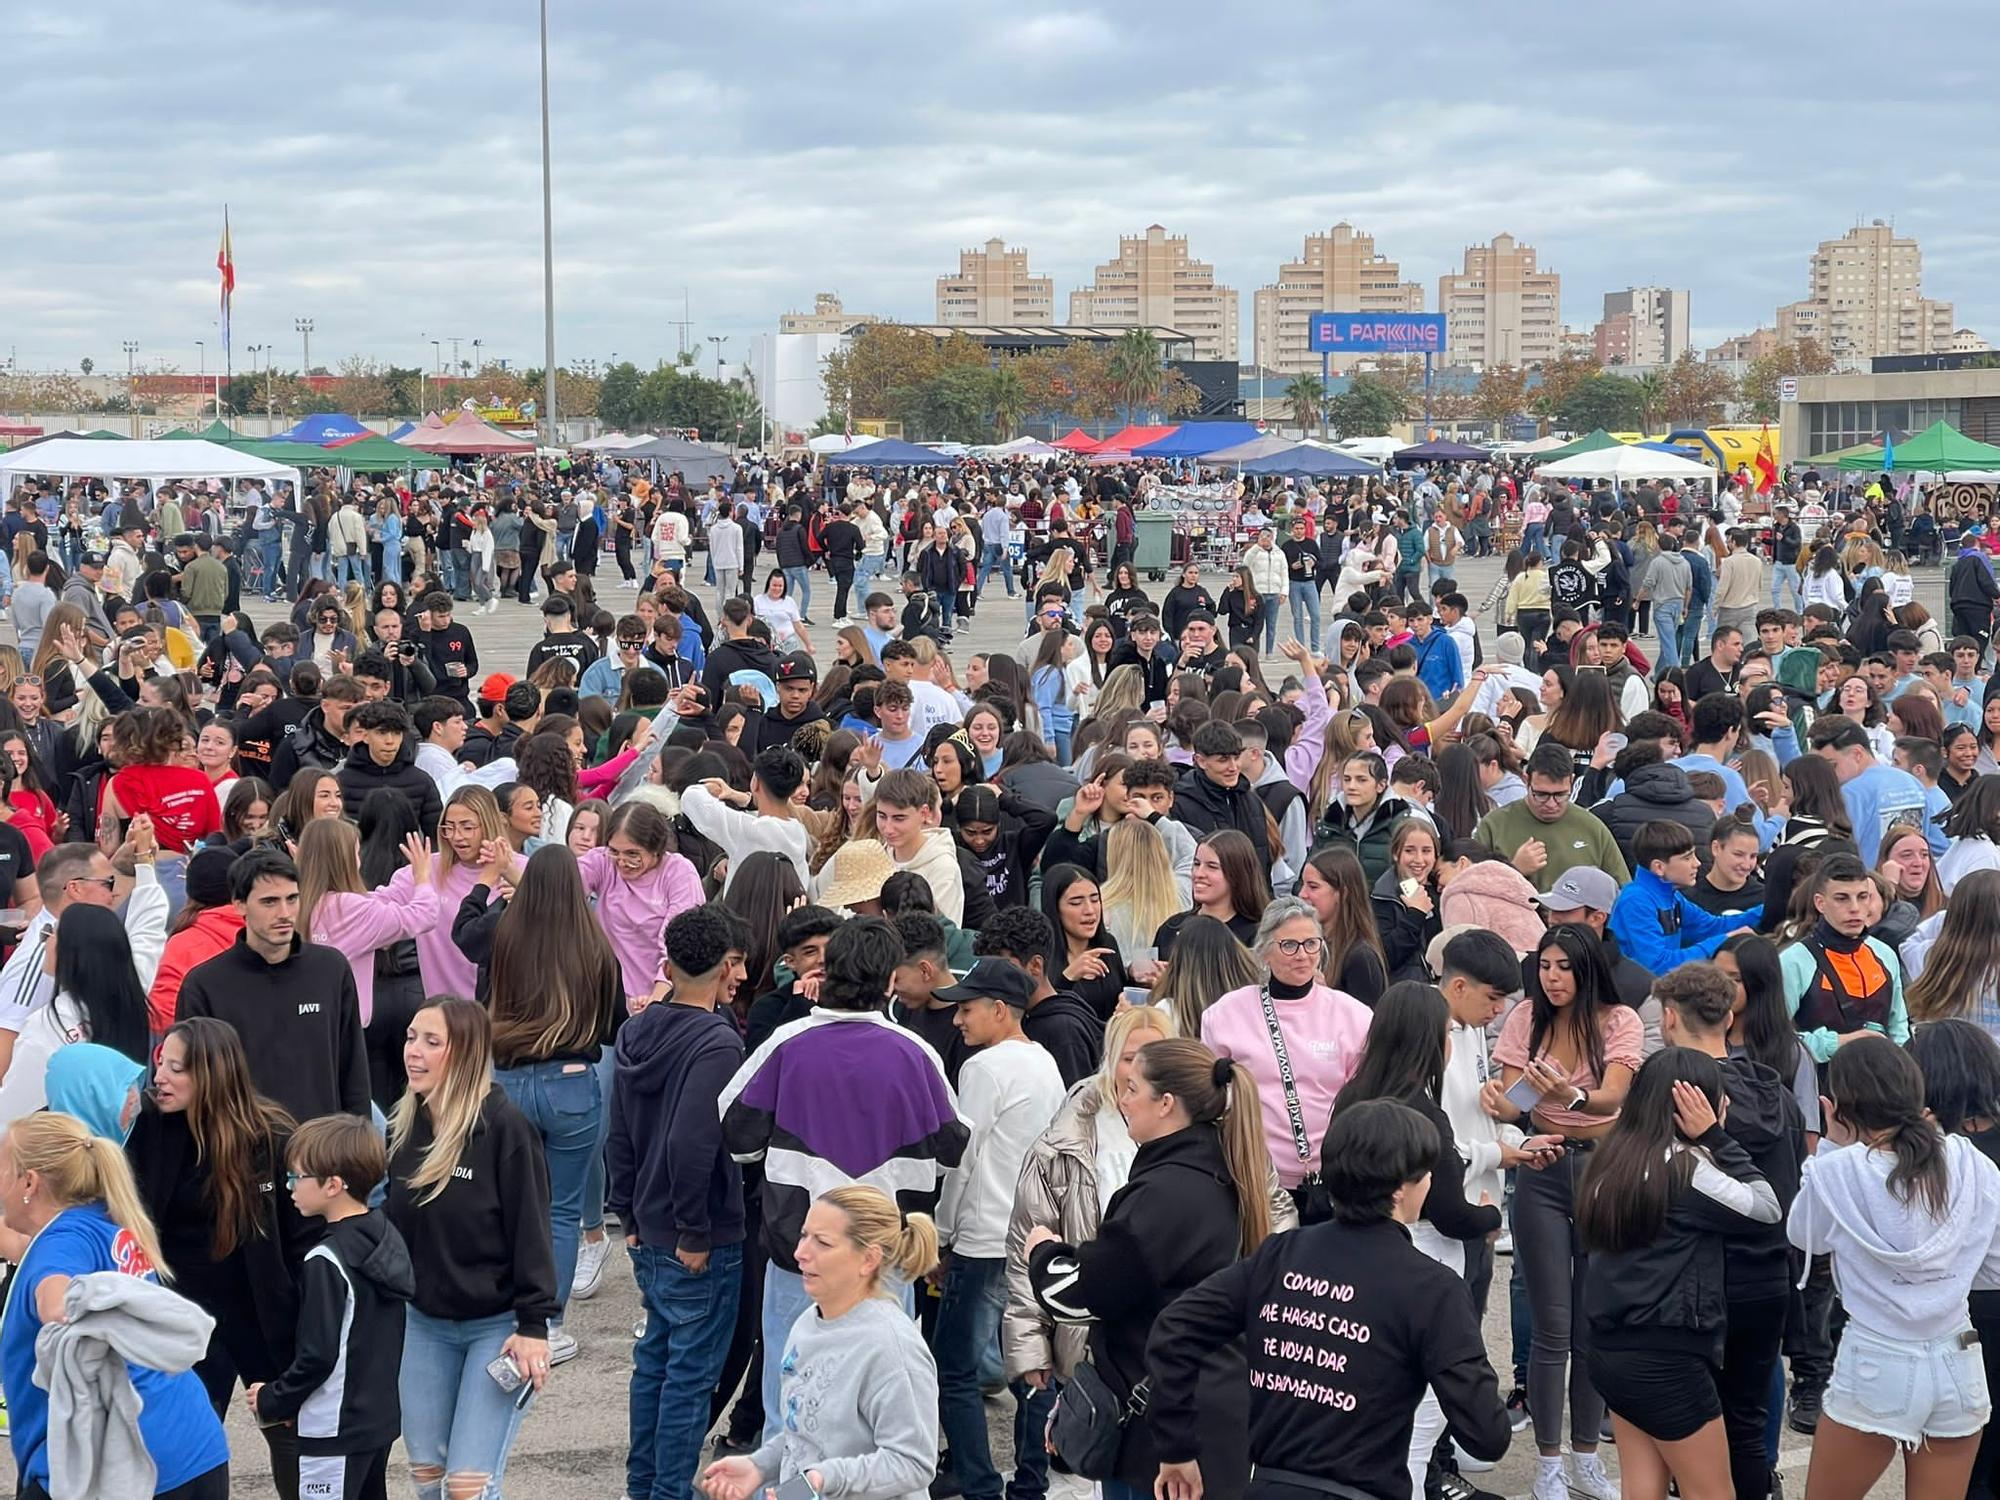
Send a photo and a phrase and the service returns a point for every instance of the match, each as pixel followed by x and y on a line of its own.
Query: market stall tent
pixel 1437 451
pixel 467 434
pixel 1242 453
pixel 1622 464
pixel 1076 440
pixel 839 442
pixel 1591 442
pixel 1311 461
pixel 892 453
pixel 321 428
pixel 1936 450
pixel 690 460
pixel 154 459
pixel 1123 443
pixel 1198 440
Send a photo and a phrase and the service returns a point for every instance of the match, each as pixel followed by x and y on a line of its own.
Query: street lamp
pixel 304 328
pixel 437 356
pixel 476 365
pixel 132 385
pixel 718 340
pixel 548 255
pixel 201 373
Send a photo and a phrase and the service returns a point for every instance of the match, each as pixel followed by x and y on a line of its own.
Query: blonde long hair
pixel 1142 875
pixel 909 1243
pixel 455 1102
pixel 1123 692
pixel 77 1168
pixel 329 860
pixel 1117 1032
pixel 485 807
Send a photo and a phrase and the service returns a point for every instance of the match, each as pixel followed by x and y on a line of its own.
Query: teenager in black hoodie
pixel 738 651
pixel 1067 1028
pixel 1697 1002
pixel 386 756
pixel 1348 1323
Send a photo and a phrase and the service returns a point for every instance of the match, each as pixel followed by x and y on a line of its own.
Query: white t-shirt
pixel 1007 1093
pixel 933 705
pixel 782 615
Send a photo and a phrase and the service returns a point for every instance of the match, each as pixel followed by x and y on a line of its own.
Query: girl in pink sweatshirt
pixel 639 885
pixel 471 818
pixel 338 911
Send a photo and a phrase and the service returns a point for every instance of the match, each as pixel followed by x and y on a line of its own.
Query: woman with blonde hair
pixel 59 659
pixel 1953 959
pixel 858 652
pixel 854 1360
pixel 472 819
pixel 72 1210
pixel 1141 891
pixel 469 1193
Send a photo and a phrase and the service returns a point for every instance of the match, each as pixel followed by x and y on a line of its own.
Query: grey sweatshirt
pixel 859 1405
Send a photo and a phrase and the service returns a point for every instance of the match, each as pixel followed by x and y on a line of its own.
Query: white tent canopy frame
pixel 1627 463
pixel 153 460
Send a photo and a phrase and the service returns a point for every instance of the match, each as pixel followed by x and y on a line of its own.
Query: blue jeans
pixel 945 599
pixel 1305 600
pixel 1531 538
pixel 274 570
pixel 461 572
pixel 674 1366
pixel 866 567
pixel 355 568
pixel 1060 729
pixel 799 582
pixel 566 1107
pixel 975 1294
pixel 993 558
pixel 593 1187
pixel 454 1416
pixel 1667 621
pixel 784 1300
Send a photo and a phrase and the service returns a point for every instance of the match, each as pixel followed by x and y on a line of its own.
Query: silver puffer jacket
pixel 1058 1189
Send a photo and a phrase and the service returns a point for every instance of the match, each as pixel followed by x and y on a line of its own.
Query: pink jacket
pixel 360 924
pixel 1496 896
pixel 1324 1034
pixel 599 780
pixel 1308 747
pixel 634 913
pixel 446 971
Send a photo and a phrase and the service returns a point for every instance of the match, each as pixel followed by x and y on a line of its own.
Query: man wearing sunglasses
pixel 605 678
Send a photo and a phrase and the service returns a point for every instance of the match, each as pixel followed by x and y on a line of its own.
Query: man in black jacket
pixel 1145 647
pixel 1654 789
pixel 940 568
pixel 1972 592
pixel 1212 793
pixel 840 539
pixel 321 740
pixel 292 1002
pixel 795 559
pixel 385 755
pixel 1345 1324
pixel 737 651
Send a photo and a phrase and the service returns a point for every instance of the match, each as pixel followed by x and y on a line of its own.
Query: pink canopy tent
pixel 465 433
pixel 1120 444
pixel 1076 440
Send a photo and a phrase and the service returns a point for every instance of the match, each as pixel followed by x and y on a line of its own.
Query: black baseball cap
pixel 797 667
pixel 991 979
pixel 91 560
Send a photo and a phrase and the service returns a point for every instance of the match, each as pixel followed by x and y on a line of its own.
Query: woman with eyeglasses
pixel 208 1153
pixel 1299 1039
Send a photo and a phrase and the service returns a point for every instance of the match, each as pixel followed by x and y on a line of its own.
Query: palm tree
pixel 1306 395
pixel 1136 373
pixel 1652 393
pixel 1009 400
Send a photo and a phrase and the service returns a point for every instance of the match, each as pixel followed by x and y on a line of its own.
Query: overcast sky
pixel 382 170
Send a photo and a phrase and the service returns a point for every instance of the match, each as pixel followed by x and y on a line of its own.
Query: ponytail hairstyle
pixel 1879 1091
pixel 1216 1091
pixel 77 1168
pixel 908 1243
pixel 1622 1201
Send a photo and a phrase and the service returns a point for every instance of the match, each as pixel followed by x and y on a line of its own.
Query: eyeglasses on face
pixel 1293 947
pixel 1535 794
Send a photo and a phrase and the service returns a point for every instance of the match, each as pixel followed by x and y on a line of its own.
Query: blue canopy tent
pixel 402 430
pixel 321 429
pixel 1310 461
pixel 891 453
pixel 1679 450
pixel 1197 439
pixel 1437 451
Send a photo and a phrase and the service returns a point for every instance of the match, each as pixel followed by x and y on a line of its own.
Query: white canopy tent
pixel 1020 447
pixel 836 442
pixel 1627 463
pixel 1376 450
pixel 152 459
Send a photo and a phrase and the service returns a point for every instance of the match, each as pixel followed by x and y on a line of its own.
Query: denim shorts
pixel 1906 1389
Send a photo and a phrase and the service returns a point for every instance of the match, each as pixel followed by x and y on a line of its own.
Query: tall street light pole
pixel 304 327
pixel 201 371
pixel 132 385
pixel 718 339
pixel 548 255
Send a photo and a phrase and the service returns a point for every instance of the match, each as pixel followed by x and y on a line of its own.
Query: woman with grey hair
pixel 1298 1038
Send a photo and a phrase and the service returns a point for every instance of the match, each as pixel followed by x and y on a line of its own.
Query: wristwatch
pixel 1581 1097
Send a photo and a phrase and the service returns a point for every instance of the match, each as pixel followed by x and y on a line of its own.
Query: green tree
pixel 1600 400
pixel 1369 407
pixel 1136 371
pixel 1560 377
pixel 1652 389
pixel 1760 381
pixel 1007 398
pixel 1306 396
pixel 618 397
pixel 1693 393
pixel 1501 395
pixel 87 366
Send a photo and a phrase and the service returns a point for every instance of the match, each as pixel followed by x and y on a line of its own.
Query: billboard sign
pixel 1377 333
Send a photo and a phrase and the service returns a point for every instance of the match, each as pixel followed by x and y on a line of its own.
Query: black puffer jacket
pixel 1203 807
pixel 1658 793
pixel 359 775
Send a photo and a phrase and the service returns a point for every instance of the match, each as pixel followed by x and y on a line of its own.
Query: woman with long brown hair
pixel 207 1151
pixel 556 997
pixel 1197 1200
pixel 1334 885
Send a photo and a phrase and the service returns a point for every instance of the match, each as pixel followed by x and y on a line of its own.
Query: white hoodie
pixel 1900 1272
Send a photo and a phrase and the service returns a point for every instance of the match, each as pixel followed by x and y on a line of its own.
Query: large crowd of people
pixel 1165 1037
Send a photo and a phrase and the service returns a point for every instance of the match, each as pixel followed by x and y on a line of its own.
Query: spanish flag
pixel 1767 463
pixel 225 263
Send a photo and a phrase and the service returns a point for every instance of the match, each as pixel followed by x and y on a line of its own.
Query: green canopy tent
pixel 1594 442
pixel 1832 460
pixel 368 455
pixel 1938 449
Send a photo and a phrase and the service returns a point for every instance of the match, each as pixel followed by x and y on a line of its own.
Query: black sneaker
pixel 726 1446
pixel 1456 1487
pixel 1804 1415
pixel 946 1485
pixel 1518 1416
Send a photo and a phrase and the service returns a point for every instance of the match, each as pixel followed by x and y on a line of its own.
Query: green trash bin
pixel 1153 543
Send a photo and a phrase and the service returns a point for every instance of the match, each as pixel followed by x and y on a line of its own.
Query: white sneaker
pixel 1588 1479
pixel 1467 1463
pixel 1504 1245
pixel 1549 1481
pixel 639 1327
pixel 590 1258
pixel 563 1348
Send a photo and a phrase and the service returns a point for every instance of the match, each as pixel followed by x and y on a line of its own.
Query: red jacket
pixel 202 939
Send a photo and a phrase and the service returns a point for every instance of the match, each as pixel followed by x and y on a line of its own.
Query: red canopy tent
pixel 465 433
pixel 1121 444
pixel 1076 440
